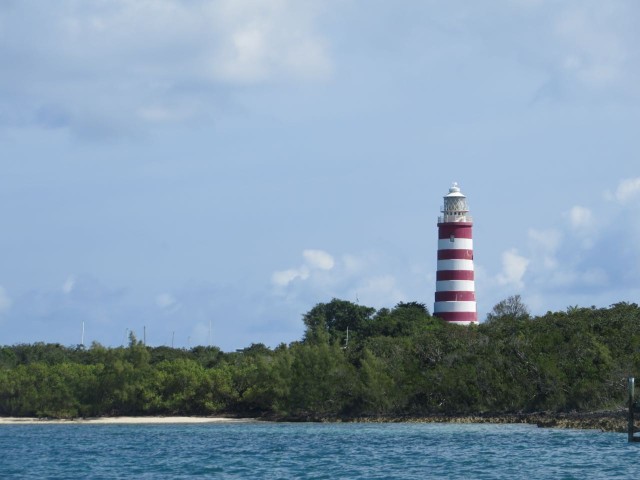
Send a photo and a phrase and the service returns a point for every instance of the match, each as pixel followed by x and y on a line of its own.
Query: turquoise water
pixel 322 451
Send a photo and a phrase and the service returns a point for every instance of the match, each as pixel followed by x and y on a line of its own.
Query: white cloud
pixel 282 278
pixel 113 66
pixel 514 266
pixel 315 261
pixel 379 291
pixel 627 190
pixel 365 277
pixel 582 222
pixel 69 284
pixel 318 259
pixel 547 240
pixel 577 263
pixel 580 217
pixel 265 39
pixel 165 300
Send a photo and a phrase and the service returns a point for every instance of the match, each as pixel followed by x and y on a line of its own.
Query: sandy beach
pixel 607 421
pixel 121 420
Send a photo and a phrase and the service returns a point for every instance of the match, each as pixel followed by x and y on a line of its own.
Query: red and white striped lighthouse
pixel 455 285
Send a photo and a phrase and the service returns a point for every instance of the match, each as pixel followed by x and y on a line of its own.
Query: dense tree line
pixel 352 361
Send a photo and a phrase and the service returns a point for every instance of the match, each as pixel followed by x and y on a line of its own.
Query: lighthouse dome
pixel 454 188
pixel 454 191
pixel 455 203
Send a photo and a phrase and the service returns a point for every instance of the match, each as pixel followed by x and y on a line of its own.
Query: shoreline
pixel 605 421
pixel 152 420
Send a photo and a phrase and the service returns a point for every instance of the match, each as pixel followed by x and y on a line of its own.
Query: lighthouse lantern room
pixel 455 285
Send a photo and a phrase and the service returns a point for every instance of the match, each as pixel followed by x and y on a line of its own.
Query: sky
pixel 205 172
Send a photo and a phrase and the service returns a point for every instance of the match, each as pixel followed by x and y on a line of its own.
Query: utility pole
pixel 633 409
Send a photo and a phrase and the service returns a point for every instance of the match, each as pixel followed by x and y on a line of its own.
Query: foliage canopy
pixel 398 361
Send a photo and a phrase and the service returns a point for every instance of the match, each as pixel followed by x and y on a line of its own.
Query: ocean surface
pixel 322 451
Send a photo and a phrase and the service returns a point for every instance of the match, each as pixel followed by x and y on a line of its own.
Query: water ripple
pixel 314 451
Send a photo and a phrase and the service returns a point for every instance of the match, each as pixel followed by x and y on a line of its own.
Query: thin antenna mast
pixel 82 338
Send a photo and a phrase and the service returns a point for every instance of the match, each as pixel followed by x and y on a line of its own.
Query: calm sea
pixel 266 450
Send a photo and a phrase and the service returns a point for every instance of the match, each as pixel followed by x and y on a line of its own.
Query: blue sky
pixel 172 163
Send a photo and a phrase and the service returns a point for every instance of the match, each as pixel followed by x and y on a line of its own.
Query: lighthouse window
pixel 452 238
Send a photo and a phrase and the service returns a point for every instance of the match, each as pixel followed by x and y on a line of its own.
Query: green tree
pixel 323 382
pixel 184 387
pixel 403 320
pixel 334 318
pixel 270 390
pixel 379 392
pixel 512 307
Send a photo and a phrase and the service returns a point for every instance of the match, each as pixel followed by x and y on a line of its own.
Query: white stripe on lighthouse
pixel 463 322
pixel 455 264
pixel 457 244
pixel 454 307
pixel 455 286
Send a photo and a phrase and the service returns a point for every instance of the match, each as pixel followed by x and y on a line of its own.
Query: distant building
pixel 455 284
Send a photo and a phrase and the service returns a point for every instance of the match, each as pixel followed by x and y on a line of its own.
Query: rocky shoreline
pixel 605 421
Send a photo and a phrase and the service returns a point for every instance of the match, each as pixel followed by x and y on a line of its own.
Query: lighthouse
pixel 455 299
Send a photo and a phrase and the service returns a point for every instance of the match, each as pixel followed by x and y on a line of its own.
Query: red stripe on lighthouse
pixel 455 296
pixel 459 254
pixel 445 230
pixel 458 316
pixel 454 275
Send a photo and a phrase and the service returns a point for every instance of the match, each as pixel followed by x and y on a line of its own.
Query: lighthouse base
pixel 459 318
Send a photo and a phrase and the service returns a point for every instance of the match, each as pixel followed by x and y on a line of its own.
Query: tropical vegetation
pixel 352 361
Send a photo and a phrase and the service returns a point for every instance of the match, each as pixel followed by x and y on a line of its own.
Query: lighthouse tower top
pixel 455 208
